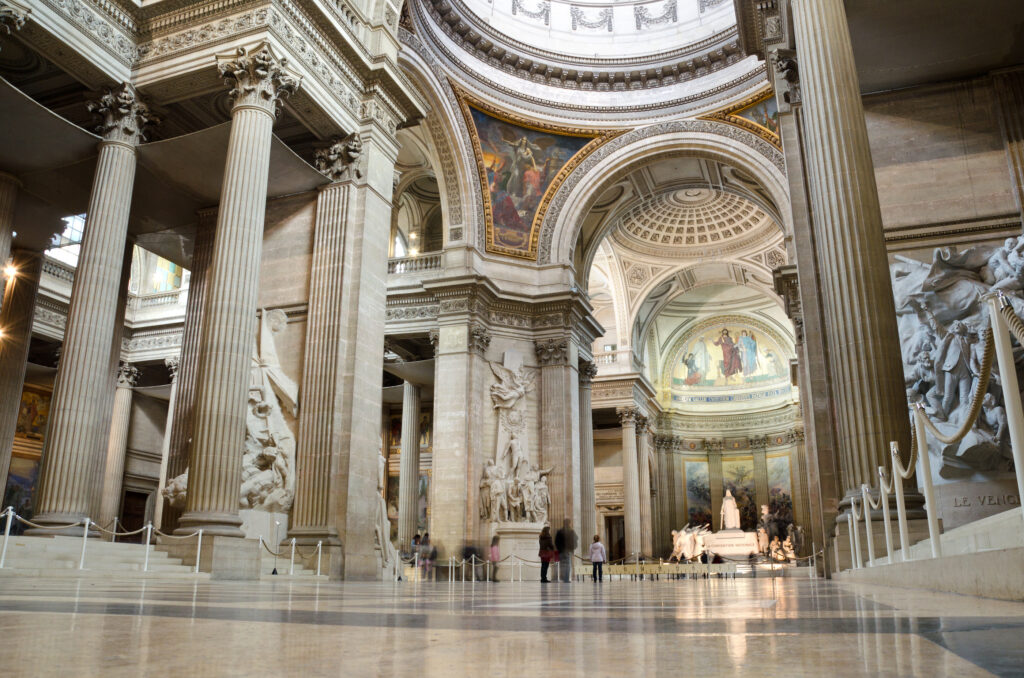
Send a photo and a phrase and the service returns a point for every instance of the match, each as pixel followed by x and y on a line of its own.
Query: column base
pixel 212 524
pixel 223 557
pixel 55 519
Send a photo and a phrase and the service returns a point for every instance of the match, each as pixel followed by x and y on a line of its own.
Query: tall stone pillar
pixel 1009 86
pixel 173 365
pixel 113 471
pixel 65 481
pixel 8 196
pixel 184 391
pixel 643 452
pixel 862 337
pixel 409 466
pixel 228 336
pixel 559 403
pixel 19 302
pixel 666 496
pixel 716 481
pixel 630 480
pixel 588 499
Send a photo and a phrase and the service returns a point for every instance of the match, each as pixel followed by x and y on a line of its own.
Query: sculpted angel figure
pixel 511 386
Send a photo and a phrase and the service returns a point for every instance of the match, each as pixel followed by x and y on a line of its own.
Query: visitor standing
pixel 565 544
pixel 597 558
pixel 427 555
pixel 547 553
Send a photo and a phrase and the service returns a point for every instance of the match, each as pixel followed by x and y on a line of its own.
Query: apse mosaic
pixel 520 168
pixel 728 360
pixel 738 476
pixel 698 493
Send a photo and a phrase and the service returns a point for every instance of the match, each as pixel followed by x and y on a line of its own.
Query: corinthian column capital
pixel 340 160
pixel 258 78
pixel 12 17
pixel 587 373
pixel 124 115
pixel 127 375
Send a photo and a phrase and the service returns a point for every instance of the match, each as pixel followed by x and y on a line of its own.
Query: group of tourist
pixel 560 550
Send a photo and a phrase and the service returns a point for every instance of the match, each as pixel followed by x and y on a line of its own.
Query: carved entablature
pixel 758 443
pixel 552 351
pixel 123 115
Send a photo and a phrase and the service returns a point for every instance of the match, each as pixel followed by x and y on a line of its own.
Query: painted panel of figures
pixel 698 493
pixel 521 164
pixel 763 113
pixel 738 477
pixel 780 487
pixel 729 355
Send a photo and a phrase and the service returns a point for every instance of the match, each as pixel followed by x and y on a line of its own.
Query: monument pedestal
pixel 522 540
pixel 256 524
pixel 734 544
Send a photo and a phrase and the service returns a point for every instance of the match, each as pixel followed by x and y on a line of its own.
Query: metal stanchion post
pixel 113 537
pixel 930 503
pixel 849 525
pixel 199 550
pixel 865 494
pixel 319 552
pixel 7 533
pixel 85 540
pixel 883 496
pixel 149 539
pixel 291 565
pixel 901 506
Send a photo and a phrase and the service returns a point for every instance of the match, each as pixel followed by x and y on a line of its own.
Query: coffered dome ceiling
pixel 693 222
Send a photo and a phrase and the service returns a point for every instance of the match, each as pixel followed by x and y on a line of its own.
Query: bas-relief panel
pixel 698 492
pixel 738 476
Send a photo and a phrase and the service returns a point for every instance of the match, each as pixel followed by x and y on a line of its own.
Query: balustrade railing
pixel 430 261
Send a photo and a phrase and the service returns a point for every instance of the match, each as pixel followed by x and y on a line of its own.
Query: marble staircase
pixel 60 557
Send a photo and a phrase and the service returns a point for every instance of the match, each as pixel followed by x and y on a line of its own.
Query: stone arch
pixel 561 229
pixel 451 147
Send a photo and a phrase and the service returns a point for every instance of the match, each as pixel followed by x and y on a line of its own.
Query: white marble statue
pixel 390 563
pixel 730 512
pixel 511 488
pixel 688 543
pixel 268 454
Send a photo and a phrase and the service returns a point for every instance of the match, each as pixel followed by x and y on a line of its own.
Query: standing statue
pixel 688 543
pixel 390 563
pixel 953 360
pixel 730 513
pixel 268 453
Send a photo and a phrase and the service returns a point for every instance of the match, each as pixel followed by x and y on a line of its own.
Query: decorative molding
pixel 605 19
pixel 730 117
pixel 257 78
pixel 587 372
pixel 643 16
pixel 543 11
pixel 340 160
pixel 124 115
pixel 107 34
pixel 12 17
pixel 172 365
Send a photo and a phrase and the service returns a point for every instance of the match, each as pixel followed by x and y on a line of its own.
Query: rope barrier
pixel 176 536
pixel 47 527
pixel 121 534
pixel 1013 321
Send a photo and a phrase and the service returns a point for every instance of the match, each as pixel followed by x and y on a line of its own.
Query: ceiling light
pixel 10 271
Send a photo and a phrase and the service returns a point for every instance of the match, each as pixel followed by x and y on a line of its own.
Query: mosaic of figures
pixel 729 354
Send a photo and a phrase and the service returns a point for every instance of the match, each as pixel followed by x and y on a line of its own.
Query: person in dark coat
pixel 547 553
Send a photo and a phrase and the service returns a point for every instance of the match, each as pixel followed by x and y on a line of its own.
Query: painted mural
pixel 520 168
pixel 780 487
pixel 763 114
pixel 738 476
pixel 729 354
pixel 33 413
pixel 698 493
pixel 21 486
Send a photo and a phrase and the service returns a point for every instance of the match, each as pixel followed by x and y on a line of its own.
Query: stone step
pixel 60 556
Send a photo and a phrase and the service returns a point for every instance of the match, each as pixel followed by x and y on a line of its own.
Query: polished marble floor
pixel 786 627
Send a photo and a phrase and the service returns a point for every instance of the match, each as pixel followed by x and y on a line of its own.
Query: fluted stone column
pixel 559 403
pixel 9 186
pixel 759 448
pixel 1009 86
pixel 228 336
pixel 630 480
pixel 19 302
pixel 76 419
pixel 863 341
pixel 409 465
pixel 184 391
pixel 113 474
pixel 588 500
pixel 716 481
pixel 646 524
pixel 173 364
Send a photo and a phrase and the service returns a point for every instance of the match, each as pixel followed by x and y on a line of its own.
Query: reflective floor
pixel 789 627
